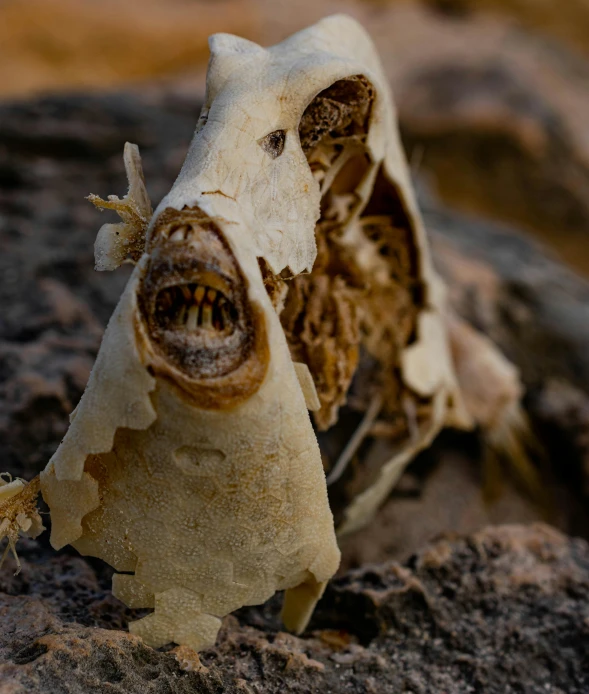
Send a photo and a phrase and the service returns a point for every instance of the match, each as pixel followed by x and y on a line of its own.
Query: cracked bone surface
pixel 191 464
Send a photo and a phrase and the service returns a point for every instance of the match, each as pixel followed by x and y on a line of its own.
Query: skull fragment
pixel 288 260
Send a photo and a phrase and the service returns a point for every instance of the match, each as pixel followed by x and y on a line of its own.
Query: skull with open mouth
pixel 191 464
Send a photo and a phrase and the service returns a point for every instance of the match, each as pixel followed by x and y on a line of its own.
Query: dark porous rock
pixel 503 610
pixel 497 115
pixel 53 153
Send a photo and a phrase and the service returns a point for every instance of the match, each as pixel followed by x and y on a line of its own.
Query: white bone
pixel 215 505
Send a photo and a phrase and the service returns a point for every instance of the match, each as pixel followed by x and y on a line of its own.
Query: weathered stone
pixel 506 609
pixel 537 311
pixel 496 117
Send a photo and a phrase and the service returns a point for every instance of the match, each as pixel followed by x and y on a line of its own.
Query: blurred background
pixel 493 103
pixel 494 92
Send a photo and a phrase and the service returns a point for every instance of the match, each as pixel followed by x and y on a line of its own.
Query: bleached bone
pixel 124 242
pixel 191 465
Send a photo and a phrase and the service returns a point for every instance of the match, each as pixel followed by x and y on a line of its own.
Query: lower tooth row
pixel 189 316
pixel 207 316
pixel 192 320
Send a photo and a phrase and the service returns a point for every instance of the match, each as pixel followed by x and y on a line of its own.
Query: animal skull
pixel 288 254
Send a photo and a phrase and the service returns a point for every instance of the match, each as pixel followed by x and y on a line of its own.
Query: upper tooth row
pixel 180 233
pixel 199 294
pixel 202 310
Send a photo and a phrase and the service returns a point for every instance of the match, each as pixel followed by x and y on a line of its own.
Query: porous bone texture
pixel 211 509
pixel 215 506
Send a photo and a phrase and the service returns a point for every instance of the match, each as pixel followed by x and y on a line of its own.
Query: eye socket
pixel 202 119
pixel 273 143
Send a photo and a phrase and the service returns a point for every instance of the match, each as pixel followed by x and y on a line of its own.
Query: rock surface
pixel 504 610
pixel 497 117
pixel 537 311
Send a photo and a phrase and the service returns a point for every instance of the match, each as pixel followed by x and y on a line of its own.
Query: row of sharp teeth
pixel 195 306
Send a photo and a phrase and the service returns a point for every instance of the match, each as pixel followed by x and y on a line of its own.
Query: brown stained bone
pixel 329 314
pixel 339 111
pixel 320 311
pixel 350 325
pixel 190 257
pixel 321 321
pixel 198 328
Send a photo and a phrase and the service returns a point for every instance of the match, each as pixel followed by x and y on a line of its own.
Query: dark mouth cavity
pixel 194 307
pixel 193 298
